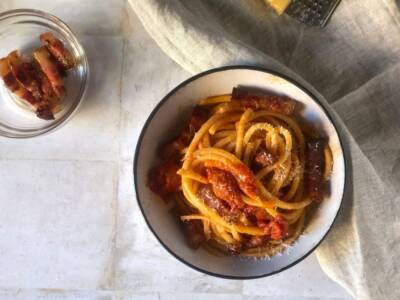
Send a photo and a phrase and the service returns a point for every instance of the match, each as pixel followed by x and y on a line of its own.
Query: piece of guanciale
pixel 25 74
pixel 256 100
pixel 49 67
pixel 315 162
pixel 58 50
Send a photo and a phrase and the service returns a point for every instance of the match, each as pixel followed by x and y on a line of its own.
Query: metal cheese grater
pixel 312 12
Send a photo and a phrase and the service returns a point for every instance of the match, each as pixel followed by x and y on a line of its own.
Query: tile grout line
pixel 60 160
pixel 118 163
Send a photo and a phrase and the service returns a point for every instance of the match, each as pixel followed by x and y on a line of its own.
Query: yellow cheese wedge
pixel 279 5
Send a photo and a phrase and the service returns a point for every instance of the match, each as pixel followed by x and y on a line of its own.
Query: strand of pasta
pixel 215 100
pixel 232 128
pixel 223 133
pixel 271 250
pixel 228 158
pixel 193 175
pixel 294 169
pixel 225 141
pixel 328 163
pixel 198 136
pixel 212 215
pixel 240 132
pixel 222 121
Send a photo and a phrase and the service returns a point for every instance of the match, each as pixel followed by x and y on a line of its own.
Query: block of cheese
pixel 279 5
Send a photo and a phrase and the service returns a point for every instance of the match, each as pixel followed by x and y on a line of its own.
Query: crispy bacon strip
pixel 256 100
pixel 194 237
pixel 192 229
pixel 243 175
pixel 25 74
pixel 48 92
pixel 13 85
pixel 57 49
pixel 8 77
pixel 315 169
pixel 163 179
pixel 49 67
pixel 43 108
pixel 173 149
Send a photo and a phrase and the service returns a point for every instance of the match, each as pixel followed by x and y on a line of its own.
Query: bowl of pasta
pixel 239 172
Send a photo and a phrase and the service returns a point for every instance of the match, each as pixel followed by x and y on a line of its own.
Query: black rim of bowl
pixel 165 99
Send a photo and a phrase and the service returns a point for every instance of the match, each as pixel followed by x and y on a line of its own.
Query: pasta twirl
pixel 248 175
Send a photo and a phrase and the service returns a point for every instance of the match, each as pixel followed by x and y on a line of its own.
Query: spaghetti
pixel 243 173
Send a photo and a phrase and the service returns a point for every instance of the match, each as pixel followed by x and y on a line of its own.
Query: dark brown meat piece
pixel 45 85
pixel 8 77
pixel 225 186
pixel 315 161
pixel 44 112
pixel 230 213
pixel 49 67
pixel 256 100
pixel 263 158
pixel 25 74
pixel 28 85
pixel 243 175
pixel 13 85
pixel 32 85
pixel 192 230
pixel 197 119
pixel 49 95
pixel 194 237
pixel 57 49
pixel 163 179
pixel 173 149
pixel 27 96
pixel 256 215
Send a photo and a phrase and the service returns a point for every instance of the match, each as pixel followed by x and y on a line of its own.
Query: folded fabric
pixel 354 64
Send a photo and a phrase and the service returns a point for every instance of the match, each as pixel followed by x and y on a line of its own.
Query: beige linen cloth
pixel 354 63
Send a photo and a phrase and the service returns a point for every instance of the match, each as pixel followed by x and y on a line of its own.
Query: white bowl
pixel 162 125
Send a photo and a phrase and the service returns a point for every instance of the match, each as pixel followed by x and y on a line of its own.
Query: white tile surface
pixel 56 224
pixel 134 296
pixel 70 227
pixel 148 75
pixel 290 298
pixel 83 16
pixel 305 279
pixel 43 294
pixel 200 297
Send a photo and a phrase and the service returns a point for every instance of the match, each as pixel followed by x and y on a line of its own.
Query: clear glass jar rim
pixel 66 30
